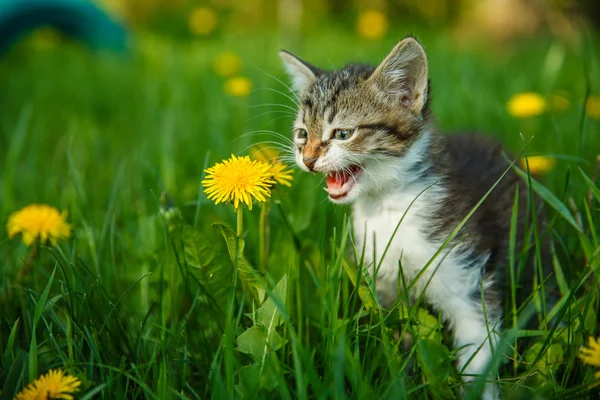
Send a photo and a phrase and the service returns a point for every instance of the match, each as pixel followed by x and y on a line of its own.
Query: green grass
pixel 140 307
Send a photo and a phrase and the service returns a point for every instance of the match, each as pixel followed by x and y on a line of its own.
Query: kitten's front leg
pixel 470 330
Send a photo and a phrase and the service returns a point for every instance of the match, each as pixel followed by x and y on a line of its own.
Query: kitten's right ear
pixel 403 74
pixel 302 73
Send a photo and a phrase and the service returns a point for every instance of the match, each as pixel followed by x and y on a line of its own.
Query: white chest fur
pixel 409 210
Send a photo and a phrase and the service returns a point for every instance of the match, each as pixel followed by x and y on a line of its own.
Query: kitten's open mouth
pixel 340 183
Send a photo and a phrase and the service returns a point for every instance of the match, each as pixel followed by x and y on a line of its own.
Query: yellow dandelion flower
pixel 282 174
pixel 538 165
pixel 238 179
pixel 525 105
pixel 279 170
pixel 372 24
pixel 56 384
pixel 38 222
pixel 265 154
pixel 591 354
pixel 592 107
pixel 238 86
pixel 202 21
pixel 227 64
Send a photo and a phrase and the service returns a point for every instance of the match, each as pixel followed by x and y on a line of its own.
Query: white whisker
pixel 274 105
pixel 283 83
pixel 279 92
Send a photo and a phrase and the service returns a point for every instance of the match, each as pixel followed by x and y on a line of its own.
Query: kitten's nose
pixel 310 162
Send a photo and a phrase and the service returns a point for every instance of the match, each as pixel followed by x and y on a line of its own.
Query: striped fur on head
pixel 385 108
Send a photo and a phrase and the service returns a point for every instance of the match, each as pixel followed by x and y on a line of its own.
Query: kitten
pixel 371 132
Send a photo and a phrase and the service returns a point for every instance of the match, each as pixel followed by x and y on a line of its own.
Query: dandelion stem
pixel 263 230
pixel 30 259
pixel 240 222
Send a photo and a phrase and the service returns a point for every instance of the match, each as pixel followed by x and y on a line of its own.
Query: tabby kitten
pixel 371 132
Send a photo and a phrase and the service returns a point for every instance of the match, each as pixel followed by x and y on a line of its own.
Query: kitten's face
pixel 354 124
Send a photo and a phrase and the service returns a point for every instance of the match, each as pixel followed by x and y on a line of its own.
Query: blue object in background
pixel 79 19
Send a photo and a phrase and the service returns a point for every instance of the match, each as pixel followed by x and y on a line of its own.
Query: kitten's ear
pixel 302 73
pixel 403 74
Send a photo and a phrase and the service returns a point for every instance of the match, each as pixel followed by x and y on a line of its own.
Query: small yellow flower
pixel 238 86
pixel 227 64
pixel 238 179
pixel 525 105
pixel 538 165
pixel 202 21
pixel 592 107
pixel 54 385
pixel 591 354
pixel 38 222
pixel 282 174
pixel 279 170
pixel 263 153
pixel 372 24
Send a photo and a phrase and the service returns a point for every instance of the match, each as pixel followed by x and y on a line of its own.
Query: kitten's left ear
pixel 302 73
pixel 403 74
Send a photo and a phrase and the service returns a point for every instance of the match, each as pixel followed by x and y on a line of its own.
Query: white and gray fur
pixel 401 154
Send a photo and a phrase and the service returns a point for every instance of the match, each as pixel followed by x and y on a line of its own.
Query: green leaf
pixel 268 315
pixel 196 247
pixel 434 360
pixel 551 199
pixel 364 291
pixel 553 354
pixel 248 381
pixel 428 327
pixel 8 352
pixel 246 273
pixel 253 341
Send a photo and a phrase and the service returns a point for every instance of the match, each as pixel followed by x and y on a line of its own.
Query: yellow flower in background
pixel 591 354
pixel 202 21
pixel 238 179
pixel 227 63
pixel 39 222
pixel 592 107
pixel 265 154
pixel 56 384
pixel 525 105
pixel 559 102
pixel 282 174
pixel 238 86
pixel 538 165
pixel 279 170
pixel 372 24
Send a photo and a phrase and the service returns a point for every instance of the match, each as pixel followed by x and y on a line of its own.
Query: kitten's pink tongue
pixel 337 179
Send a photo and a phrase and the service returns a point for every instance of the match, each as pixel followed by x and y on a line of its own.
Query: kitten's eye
pixel 301 134
pixel 343 134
